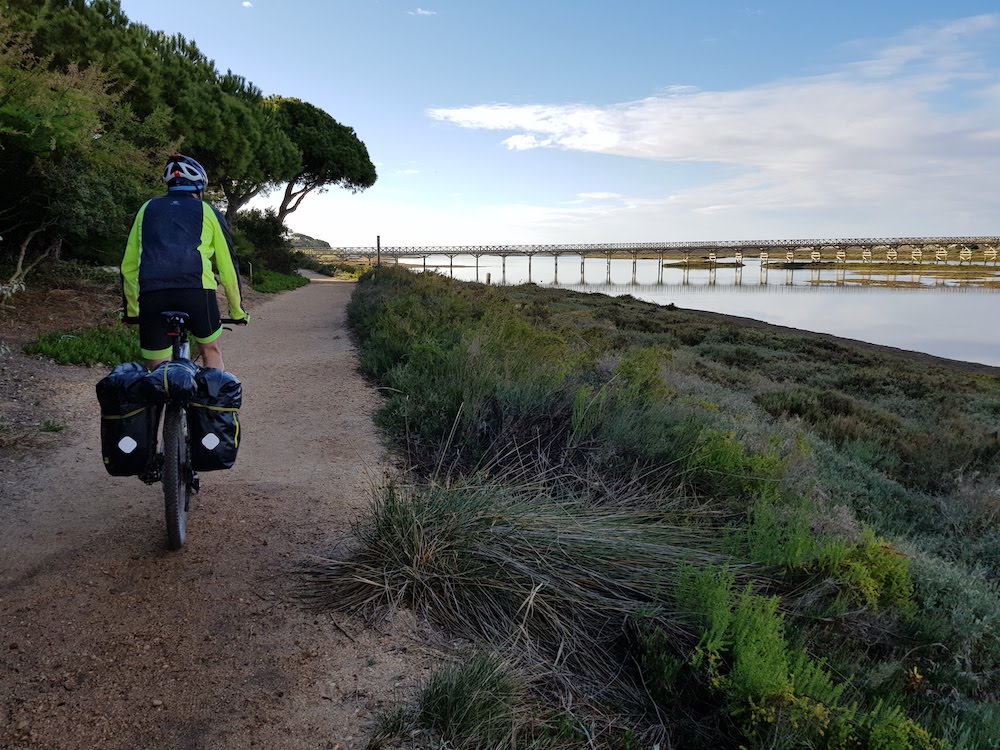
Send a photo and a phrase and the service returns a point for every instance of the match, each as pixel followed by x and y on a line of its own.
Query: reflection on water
pixel 945 310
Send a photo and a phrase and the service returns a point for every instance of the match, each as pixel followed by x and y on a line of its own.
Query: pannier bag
pixel 173 379
pixel 128 420
pixel 213 420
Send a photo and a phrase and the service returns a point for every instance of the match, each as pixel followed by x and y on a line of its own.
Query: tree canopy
pixel 332 154
pixel 91 104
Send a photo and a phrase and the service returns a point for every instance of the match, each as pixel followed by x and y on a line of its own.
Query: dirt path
pixel 109 641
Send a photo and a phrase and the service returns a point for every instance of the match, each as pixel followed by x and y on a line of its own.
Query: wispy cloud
pixel 916 121
pixel 247 4
pixel 422 12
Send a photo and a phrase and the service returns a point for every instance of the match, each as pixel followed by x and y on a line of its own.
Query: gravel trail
pixel 109 641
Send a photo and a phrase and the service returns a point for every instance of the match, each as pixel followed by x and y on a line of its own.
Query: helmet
pixel 183 173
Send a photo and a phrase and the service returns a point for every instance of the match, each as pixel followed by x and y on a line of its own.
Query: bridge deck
pixel 672 248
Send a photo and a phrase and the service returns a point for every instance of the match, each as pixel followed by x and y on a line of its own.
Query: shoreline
pixel 910 355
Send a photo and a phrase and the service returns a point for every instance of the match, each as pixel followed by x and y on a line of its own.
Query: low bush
pixel 270 282
pixel 109 345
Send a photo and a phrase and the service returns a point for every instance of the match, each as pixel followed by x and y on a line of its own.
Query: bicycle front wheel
pixel 176 474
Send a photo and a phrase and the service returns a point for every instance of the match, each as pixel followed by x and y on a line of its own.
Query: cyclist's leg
pixel 154 342
pixel 206 328
pixel 211 354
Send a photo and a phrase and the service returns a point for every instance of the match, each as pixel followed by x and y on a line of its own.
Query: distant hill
pixel 305 242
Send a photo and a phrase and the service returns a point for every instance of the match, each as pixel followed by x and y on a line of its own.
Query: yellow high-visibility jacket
pixel 179 241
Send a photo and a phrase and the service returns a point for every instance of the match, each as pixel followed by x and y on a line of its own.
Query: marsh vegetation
pixel 652 526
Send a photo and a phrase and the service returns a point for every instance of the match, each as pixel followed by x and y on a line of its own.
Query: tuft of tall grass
pixel 505 565
pixel 473 704
pixel 483 701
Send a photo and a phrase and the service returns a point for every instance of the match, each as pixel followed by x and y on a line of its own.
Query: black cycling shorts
pixel 204 324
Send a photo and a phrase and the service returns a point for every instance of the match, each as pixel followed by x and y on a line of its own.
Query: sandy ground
pixel 109 641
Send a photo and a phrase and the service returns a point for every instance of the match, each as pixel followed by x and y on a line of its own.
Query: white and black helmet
pixel 185 174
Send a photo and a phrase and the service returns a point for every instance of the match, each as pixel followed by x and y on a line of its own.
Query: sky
pixel 551 121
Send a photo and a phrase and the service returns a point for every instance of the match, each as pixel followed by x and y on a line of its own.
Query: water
pixel 927 312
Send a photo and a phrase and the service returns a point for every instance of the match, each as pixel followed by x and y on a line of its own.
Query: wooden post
pixel 378 250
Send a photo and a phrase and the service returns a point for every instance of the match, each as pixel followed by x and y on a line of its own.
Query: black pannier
pixel 173 379
pixel 128 420
pixel 213 420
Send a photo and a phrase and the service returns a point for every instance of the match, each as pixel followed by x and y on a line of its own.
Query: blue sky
pixel 553 121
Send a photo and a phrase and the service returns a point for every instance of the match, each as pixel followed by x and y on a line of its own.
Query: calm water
pixel 927 312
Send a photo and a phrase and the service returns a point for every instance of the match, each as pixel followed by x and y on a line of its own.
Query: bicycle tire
pixel 176 474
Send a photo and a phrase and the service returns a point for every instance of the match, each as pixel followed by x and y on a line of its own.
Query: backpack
pixel 213 419
pixel 129 420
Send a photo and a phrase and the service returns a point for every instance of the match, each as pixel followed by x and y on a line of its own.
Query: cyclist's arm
pixel 227 266
pixel 130 267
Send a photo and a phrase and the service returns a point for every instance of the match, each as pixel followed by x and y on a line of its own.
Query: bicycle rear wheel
pixel 176 474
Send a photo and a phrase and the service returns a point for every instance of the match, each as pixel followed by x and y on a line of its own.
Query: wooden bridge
pixel 832 248
pixel 869 249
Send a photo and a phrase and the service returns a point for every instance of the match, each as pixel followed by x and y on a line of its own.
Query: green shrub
pixel 640 372
pixel 720 466
pixel 109 345
pixel 270 282
pixel 266 232
pixel 779 696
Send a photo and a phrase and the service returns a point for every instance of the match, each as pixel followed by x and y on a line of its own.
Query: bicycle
pixel 172 466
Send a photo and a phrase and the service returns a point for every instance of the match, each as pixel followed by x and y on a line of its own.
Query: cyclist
pixel 177 244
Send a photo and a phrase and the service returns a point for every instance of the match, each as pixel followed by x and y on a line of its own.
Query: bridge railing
pixel 648 247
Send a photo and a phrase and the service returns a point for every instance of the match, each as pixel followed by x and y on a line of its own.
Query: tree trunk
pixel 292 199
pixel 15 283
